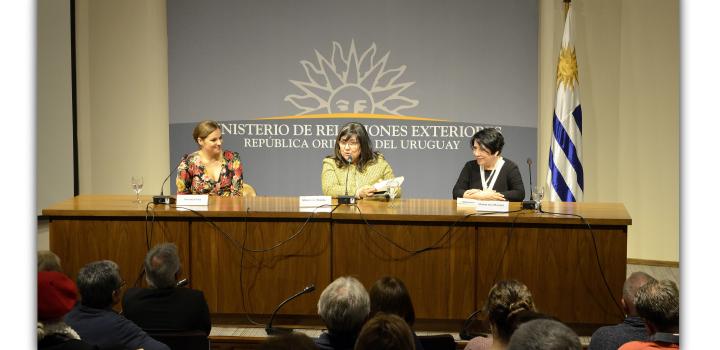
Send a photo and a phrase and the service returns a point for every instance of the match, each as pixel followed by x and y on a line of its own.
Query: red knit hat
pixel 57 295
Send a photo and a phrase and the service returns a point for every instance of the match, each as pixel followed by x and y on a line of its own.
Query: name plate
pixel 467 202
pixel 192 199
pixel 493 206
pixel 315 201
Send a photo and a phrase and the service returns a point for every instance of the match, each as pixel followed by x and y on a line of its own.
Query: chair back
pixel 182 340
pixel 247 190
pixel 437 342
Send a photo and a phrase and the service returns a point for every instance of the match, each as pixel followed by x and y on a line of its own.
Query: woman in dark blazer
pixel 489 176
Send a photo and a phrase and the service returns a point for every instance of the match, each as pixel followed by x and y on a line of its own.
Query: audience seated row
pixel 355 319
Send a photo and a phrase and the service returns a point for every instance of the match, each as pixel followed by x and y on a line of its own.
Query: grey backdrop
pixel 470 62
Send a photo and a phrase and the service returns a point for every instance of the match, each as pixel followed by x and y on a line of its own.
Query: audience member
pixel 389 295
pixel 95 320
pixel 343 306
pixel 385 332
pixel 164 306
pixel 658 302
pixel 57 295
pixel 633 327
pixel 544 334
pixel 505 299
pixel 291 341
pixel 48 261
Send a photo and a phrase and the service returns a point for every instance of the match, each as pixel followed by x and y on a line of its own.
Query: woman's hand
pixel 484 195
pixel 365 191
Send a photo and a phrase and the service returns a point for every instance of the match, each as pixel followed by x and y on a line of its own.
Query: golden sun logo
pixel 567 71
pixel 351 82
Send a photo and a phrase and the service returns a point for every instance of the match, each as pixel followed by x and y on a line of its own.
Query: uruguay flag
pixel 565 170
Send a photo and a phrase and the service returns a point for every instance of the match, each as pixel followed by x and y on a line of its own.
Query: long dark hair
pixel 367 155
pixel 390 295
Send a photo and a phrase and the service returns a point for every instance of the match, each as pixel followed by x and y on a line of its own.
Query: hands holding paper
pixel 485 195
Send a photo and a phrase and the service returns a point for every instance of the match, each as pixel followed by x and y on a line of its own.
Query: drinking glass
pixel 137 185
pixel 393 187
pixel 537 193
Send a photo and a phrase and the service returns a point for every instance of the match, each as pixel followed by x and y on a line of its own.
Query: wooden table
pixel 575 274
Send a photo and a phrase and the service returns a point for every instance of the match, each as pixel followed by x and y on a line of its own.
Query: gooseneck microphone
pixel 182 283
pixel 530 204
pixel 347 199
pixel 269 329
pixel 464 332
pixel 162 199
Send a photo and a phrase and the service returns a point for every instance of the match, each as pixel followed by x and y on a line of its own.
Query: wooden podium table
pixel 448 257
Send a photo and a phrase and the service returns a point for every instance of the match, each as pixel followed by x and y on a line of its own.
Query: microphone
pixel 464 332
pixel 269 329
pixel 530 204
pixel 182 283
pixel 162 199
pixel 347 199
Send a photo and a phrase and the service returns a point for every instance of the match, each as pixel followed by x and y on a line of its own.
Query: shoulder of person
pixel 509 163
pixel 329 160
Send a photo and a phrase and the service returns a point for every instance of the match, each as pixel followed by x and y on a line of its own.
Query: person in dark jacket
pixel 489 176
pixel 344 306
pixel 164 306
pixel 95 320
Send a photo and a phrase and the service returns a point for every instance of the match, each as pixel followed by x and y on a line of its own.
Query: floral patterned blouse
pixel 192 179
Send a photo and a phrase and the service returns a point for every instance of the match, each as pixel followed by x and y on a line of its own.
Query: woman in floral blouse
pixel 210 170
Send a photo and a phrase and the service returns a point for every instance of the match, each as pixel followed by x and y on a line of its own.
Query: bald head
pixel 630 288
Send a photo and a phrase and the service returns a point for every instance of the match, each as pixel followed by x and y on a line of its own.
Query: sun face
pixel 567 71
pixel 351 83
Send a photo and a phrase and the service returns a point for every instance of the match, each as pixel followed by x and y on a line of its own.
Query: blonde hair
pixel 204 128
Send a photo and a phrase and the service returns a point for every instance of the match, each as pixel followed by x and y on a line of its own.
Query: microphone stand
pixel 347 199
pixel 162 199
pixel 530 204
pixel 269 329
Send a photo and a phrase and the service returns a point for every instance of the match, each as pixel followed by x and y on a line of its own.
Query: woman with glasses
pixel 354 160
pixel 489 176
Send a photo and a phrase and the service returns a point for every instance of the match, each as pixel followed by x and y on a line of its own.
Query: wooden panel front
pixel 78 242
pixel 261 279
pixel 559 265
pixel 440 281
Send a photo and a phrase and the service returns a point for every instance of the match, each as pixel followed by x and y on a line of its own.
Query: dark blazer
pixel 509 181
pixel 167 309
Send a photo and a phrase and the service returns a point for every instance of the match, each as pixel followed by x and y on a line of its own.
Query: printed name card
pixel 493 206
pixel 315 201
pixel 467 202
pixel 192 199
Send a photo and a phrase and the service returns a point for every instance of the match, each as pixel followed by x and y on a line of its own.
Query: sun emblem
pixel 351 83
pixel 567 71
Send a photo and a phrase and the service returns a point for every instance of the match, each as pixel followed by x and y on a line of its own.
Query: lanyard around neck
pixel 489 183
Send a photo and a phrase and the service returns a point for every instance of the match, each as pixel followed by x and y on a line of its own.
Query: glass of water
pixel 537 193
pixel 137 184
pixel 393 187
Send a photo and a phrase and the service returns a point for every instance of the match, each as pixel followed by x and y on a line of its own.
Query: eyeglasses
pixel 351 144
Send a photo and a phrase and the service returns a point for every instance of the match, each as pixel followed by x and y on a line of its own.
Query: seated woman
pixel 389 295
pixel 490 176
pixel 354 160
pixel 506 301
pixel 210 170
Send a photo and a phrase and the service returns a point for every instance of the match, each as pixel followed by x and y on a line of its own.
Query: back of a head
pixel 48 261
pixel 505 299
pixel 344 305
pixel 385 332
pixel 631 286
pixel 544 334
pixel 658 303
pixel 389 295
pixel 97 281
pixel 162 263
pixel 292 341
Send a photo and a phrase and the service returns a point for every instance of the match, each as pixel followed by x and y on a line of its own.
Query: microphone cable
pixel 597 256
